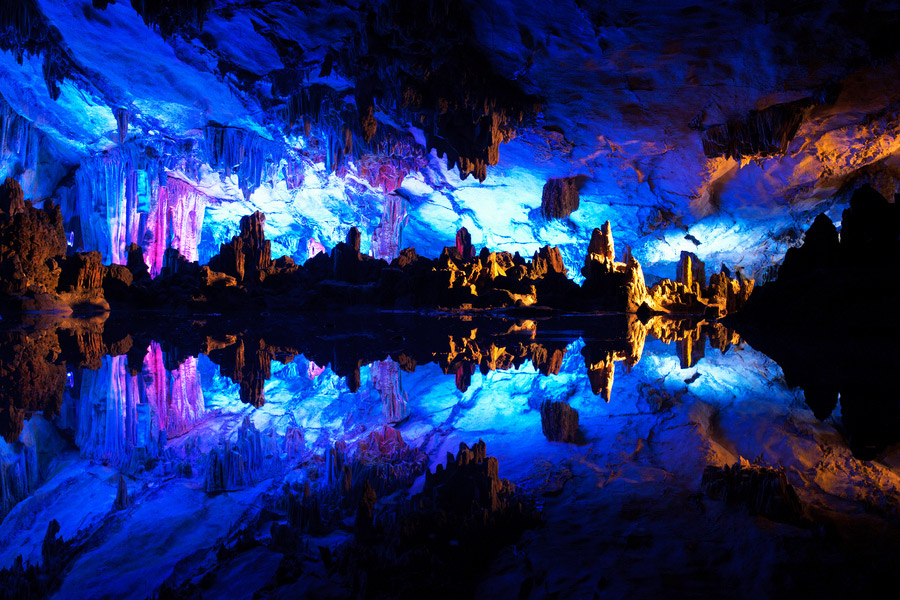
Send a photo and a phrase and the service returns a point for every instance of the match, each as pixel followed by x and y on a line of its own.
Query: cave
pixel 449 299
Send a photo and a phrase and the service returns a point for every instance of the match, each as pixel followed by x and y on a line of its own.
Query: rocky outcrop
pixel 691 272
pixel 248 256
pixel 610 285
pixel 12 198
pixel 464 244
pixel 690 294
pixel 830 283
pixel 559 198
pixel 32 244
pixel 765 132
pixel 140 272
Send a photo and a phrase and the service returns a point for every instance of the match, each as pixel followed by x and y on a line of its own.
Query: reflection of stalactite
pixel 19 473
pixel 241 463
pixel 386 380
pixel 119 413
pixel 108 413
pixel 176 396
pixel 386 237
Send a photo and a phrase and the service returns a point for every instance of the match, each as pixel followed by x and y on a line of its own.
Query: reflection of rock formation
pixel 817 321
pixel 247 363
pixel 386 379
pixel 32 378
pixel 691 337
pixel 122 418
pixel 243 462
pixel 467 352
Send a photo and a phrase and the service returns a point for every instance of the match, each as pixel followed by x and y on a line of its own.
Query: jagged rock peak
pixel 601 247
pixel 12 198
pixel 464 244
pixel 691 270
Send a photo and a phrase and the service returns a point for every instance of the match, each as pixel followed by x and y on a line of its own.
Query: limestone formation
pixel 136 263
pixel 559 198
pixel 248 255
pixel 691 272
pixel 464 244
pixel 12 198
pixel 559 421
pixel 32 243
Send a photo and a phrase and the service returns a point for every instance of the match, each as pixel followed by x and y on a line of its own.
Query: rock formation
pixel 559 422
pixel 559 198
pixel 762 490
pixel 248 256
pixel 32 244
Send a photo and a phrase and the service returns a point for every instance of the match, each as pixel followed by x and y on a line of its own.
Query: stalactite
pixel 172 16
pixel 23 151
pixel 25 32
pixel 122 119
pixel 252 158
pixel 386 239
pixel 121 200
pixel 176 221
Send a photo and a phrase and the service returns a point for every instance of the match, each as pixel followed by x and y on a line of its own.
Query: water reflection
pixel 128 393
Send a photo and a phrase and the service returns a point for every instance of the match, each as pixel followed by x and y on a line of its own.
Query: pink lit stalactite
pixel 386 237
pixel 386 380
pixel 175 221
pixel 314 247
pixel 185 398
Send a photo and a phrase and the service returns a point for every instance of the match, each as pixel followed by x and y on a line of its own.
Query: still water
pixel 156 405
